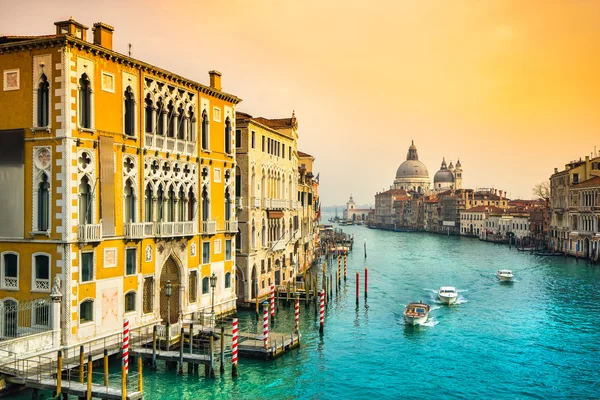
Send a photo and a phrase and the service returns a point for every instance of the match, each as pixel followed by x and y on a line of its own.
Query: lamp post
pixel 213 284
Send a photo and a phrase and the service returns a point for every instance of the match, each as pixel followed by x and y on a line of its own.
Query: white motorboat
pixel 447 294
pixel 505 275
pixel 416 313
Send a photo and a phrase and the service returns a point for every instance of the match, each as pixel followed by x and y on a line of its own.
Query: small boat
pixel 416 313
pixel 505 275
pixel 447 294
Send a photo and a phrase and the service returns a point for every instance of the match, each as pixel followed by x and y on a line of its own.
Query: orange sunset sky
pixel 510 87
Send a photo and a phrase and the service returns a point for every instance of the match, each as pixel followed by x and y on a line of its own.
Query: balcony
pixel 231 226
pixel 277 204
pixel 174 229
pixel 134 230
pixel 209 227
pixel 266 203
pixel 41 284
pixel 10 282
pixel 278 245
pixel 239 202
pixel 255 202
pixel 90 233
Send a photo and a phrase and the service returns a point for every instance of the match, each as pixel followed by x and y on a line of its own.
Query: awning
pixel 274 214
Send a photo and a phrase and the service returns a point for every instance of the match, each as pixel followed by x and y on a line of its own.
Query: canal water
pixel 538 337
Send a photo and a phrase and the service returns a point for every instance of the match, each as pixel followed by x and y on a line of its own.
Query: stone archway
pixel 240 284
pixel 254 288
pixel 169 272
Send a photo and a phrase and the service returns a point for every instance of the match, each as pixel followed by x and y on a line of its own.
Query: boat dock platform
pixel 252 345
pixel 79 389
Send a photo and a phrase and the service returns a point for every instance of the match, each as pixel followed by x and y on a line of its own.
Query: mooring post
pixel 181 346
pixel 322 311
pixel 222 369
pixel 105 367
pixel 256 304
pixel 365 248
pixel 287 294
pixel 140 379
pixel 191 338
pixel 154 336
pixel 59 362
pixel 339 269
pixel 297 313
pixel 234 348
pixel 168 335
pixel 345 255
pixel 123 382
pixel 366 281
pixel 81 363
pixel 89 378
pixel 266 325
pixel 272 304
pixel 212 356
pixel 357 286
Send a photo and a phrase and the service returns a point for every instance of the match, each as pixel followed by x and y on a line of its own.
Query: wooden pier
pixel 252 345
pixel 171 355
pixel 79 389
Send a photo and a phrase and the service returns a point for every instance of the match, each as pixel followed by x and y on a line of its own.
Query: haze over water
pixel 535 338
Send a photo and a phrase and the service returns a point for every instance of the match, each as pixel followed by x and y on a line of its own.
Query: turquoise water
pixel 536 338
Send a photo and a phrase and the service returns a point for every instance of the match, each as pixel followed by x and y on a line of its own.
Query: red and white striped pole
pixel 297 313
pixel 272 303
pixel 266 324
pixel 322 311
pixel 234 348
pixel 126 345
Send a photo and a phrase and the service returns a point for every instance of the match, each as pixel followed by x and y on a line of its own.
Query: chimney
pixel 215 79
pixel 103 35
pixel 71 27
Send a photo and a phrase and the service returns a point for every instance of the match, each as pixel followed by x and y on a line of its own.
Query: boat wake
pixel 434 308
pixel 461 300
pixel 431 322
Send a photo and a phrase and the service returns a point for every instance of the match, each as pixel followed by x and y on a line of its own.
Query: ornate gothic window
pixel 43 101
pixel 181 123
pixel 148 204
pixel 227 136
pixel 43 204
pixel 85 102
pixel 191 204
pixel 161 118
pixel 191 121
pixel 227 205
pixel 205 204
pixel 129 112
pixel 85 201
pixel 204 130
pixel 129 200
pixel 171 120
pixel 148 110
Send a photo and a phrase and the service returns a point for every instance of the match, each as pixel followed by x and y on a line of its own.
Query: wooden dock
pixel 78 389
pixel 172 355
pixel 252 345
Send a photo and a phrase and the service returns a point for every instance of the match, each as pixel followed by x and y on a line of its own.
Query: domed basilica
pixel 412 175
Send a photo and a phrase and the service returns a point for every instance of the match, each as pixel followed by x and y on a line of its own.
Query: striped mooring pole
pixel 297 312
pixel 345 252
pixel 322 311
pixel 126 345
pixel 266 324
pixel 340 266
pixel 234 348
pixel 272 303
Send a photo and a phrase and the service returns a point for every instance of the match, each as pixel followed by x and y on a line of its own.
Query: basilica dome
pixel 444 175
pixel 412 169
pixel 412 174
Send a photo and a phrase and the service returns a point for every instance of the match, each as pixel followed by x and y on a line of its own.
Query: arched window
pixel 227 205
pixel 171 120
pixel 85 202
pixel 238 240
pixel 129 112
pixel 228 136
pixel 130 302
pixel 238 181
pixel 228 280
pixel 205 285
pixel 254 235
pixel 85 102
pixel 181 205
pixel 181 123
pixel 191 121
pixel 41 272
pixel 43 215
pixel 43 94
pixel 264 235
pixel 10 319
pixel 171 205
pixel 191 204
pixel 148 204
pixel 129 201
pixel 148 110
pixel 86 311
pixel 160 200
pixel 160 129
pixel 205 204
pixel 204 130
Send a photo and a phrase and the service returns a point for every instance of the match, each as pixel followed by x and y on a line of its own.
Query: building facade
pixel 121 179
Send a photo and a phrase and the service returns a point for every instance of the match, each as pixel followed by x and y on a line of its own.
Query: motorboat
pixel 505 275
pixel 447 294
pixel 416 313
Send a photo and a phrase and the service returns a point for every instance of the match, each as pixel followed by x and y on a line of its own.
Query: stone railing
pixel 209 227
pixel 134 230
pixel 90 233
pixel 174 229
pixel 255 202
pixel 231 226
pixel 266 203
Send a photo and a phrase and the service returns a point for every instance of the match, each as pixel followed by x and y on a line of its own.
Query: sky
pixel 512 88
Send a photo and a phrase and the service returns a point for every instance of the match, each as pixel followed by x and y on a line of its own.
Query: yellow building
pixel 115 176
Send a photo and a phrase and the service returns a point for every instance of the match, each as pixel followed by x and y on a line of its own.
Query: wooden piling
pixel 81 363
pixel 140 379
pixel 212 356
pixel 123 382
pixel 366 281
pixel 222 369
pixel 59 363
pixel 154 337
pixel 89 378
pixel 105 367
pixel 357 286
pixel 168 335
pixel 181 346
